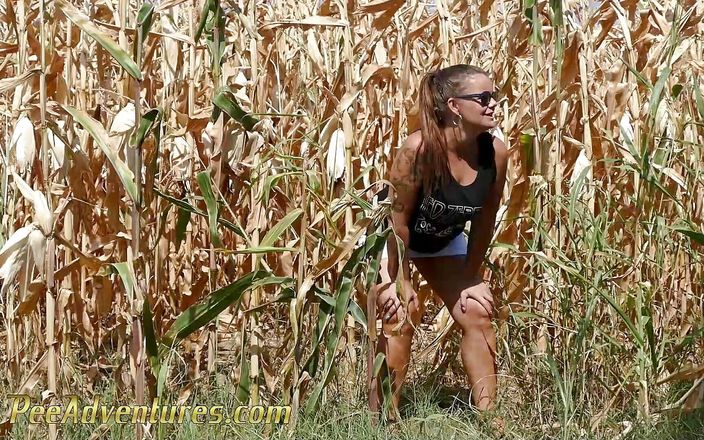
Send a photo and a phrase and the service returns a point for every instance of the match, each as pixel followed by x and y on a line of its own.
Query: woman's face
pixel 474 103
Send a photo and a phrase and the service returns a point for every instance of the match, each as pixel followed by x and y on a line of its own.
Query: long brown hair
pixel 435 89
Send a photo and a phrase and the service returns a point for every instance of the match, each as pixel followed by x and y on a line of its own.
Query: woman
pixel 449 172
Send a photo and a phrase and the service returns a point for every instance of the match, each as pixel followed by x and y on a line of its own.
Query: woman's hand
pixel 389 305
pixel 479 292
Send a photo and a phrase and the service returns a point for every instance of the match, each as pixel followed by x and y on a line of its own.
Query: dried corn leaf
pixel 306 23
pixel 101 137
pixel 7 84
pixel 42 215
pixel 86 24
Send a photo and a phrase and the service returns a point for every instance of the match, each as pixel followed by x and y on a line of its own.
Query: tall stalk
pixel 51 342
pixel 215 166
pixel 585 57
pixel 560 110
pixel 349 117
pixel 258 210
pixel 135 151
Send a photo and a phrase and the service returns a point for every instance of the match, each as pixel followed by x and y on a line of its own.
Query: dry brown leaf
pixel 306 23
pixel 7 84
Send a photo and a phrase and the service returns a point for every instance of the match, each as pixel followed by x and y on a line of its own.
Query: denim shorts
pixel 458 246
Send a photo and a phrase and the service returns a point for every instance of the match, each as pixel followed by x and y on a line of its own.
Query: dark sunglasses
pixel 483 98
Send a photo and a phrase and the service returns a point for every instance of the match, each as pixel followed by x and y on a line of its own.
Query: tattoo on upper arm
pixel 398 206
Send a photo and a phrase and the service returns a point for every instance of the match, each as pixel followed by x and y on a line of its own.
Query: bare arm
pixel 483 225
pixel 404 196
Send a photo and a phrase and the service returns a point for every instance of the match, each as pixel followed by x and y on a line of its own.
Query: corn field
pixel 188 194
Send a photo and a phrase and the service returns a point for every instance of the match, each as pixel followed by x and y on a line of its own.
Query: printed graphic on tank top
pixel 441 216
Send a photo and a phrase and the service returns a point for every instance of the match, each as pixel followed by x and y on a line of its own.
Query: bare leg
pixel 396 344
pixel 397 348
pixel 478 346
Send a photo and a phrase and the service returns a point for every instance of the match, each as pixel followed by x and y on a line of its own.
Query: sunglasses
pixel 483 98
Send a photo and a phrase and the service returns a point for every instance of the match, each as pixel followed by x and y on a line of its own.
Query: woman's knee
pixel 411 309
pixel 411 320
pixel 474 315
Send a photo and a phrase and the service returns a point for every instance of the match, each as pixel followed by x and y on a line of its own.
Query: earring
pixel 457 121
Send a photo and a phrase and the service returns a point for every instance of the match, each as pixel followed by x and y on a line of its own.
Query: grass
pixel 435 405
pixel 431 408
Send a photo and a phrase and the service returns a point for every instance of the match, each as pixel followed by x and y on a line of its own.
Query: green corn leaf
pixel 624 317
pixel 270 182
pixel 325 298
pixel 257 250
pixel 283 224
pixel 528 6
pixel 344 289
pixel 373 244
pixel 286 295
pixel 563 386
pixel 657 95
pixel 148 122
pixel 533 315
pixel 100 135
pixel 144 19
pixel 313 182
pixel 639 76
pixel 341 305
pixel 586 322
pixel 161 381
pixel 200 314
pixel 655 181
pixel 556 6
pixel 694 235
pixel 536 37
pixel 86 25
pixel 378 363
pixel 650 334
pixel 208 7
pixel 225 100
pixel 363 204
pixel 526 141
pixel 358 314
pixel 243 383
pixel 184 217
pixel 387 393
pixel 127 277
pixel 324 317
pixel 211 204
pixel 187 207
pixel 216 52
pixel 575 192
pixel 698 99
pixel 373 271
pixel 150 337
pixel 163 220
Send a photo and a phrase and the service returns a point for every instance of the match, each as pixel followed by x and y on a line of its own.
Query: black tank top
pixel 441 215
